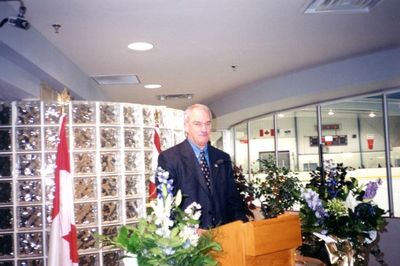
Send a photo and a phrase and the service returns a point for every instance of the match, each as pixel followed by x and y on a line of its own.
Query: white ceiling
pixel 198 42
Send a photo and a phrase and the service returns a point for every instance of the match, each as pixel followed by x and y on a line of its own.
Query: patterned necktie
pixel 205 169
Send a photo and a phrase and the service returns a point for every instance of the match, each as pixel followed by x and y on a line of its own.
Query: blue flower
pixel 314 203
pixel 164 181
pixel 169 251
pixel 364 211
pixel 332 187
pixel 320 212
pixel 372 188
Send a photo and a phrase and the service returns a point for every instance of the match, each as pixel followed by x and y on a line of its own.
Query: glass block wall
pixel 111 147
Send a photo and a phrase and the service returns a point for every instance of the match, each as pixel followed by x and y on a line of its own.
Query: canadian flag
pixel 63 239
pixel 156 152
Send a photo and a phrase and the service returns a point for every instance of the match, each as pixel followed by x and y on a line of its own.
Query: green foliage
pixel 150 248
pixel 275 189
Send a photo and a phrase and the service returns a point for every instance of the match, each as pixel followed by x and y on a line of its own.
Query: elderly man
pixel 202 172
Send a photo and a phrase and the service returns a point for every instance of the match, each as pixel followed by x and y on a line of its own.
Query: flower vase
pixel 257 214
pixel 130 260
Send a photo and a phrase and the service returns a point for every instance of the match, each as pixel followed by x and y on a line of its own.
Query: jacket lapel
pixel 214 168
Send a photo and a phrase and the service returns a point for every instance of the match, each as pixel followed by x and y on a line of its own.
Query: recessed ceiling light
pixel 140 46
pixel 152 86
pixel 281 115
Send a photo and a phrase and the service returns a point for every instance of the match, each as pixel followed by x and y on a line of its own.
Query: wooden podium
pixel 269 242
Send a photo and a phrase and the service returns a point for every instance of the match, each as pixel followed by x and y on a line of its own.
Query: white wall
pixel 343 78
pixel 34 55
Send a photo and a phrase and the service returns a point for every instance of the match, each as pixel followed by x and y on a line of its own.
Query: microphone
pixel 221 161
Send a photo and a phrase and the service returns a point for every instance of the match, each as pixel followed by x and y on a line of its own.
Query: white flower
pixel 161 215
pixel 163 231
pixel 189 235
pixel 165 174
pixel 161 211
pixel 193 210
pixel 351 201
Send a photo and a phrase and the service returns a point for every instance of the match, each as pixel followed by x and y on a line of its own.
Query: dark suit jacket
pixel 223 204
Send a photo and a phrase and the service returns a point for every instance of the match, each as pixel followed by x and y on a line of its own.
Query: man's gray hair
pixel 189 110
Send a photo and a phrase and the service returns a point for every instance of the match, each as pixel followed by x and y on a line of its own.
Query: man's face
pixel 198 127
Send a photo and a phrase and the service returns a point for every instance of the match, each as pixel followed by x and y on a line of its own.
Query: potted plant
pixel 273 190
pixel 274 234
pixel 340 221
pixel 169 235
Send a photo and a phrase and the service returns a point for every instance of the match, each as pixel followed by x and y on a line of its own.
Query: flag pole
pixel 156 151
pixel 63 99
pixel 63 248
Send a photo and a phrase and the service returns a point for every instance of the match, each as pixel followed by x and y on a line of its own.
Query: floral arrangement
pixel 339 219
pixel 169 235
pixel 274 190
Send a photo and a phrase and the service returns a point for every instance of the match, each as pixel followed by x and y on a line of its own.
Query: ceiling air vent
pixel 341 6
pixel 186 96
pixel 116 79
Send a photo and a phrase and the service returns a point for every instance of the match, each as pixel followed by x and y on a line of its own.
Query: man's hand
pixel 201 231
